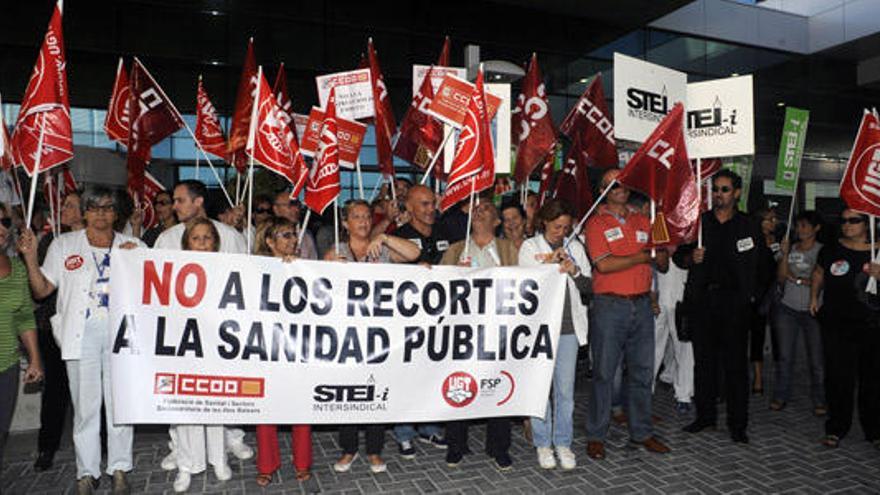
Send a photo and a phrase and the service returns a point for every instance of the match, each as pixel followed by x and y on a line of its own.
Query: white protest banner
pixel 419 72
pixel 720 118
pixel 354 93
pixel 643 94
pixel 200 338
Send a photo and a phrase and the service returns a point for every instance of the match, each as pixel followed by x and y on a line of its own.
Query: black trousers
pixel 375 437
pixel 8 396
pixel 56 392
pixel 497 436
pixel 852 355
pixel 720 343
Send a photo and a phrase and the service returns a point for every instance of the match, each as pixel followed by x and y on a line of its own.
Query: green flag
pixel 791 148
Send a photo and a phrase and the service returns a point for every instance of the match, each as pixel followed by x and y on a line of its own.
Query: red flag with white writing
pixel 279 89
pixel 152 188
pixel 272 143
pixel 420 134
pixel 386 127
pixel 536 135
pixel 473 168
pixel 208 132
pixel 241 117
pixel 153 118
pixel 590 122
pixel 573 181
pixel 117 120
pixel 45 107
pixel 323 186
pixel 860 185
pixel 661 170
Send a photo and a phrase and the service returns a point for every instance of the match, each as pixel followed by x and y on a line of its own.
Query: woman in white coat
pixel 553 223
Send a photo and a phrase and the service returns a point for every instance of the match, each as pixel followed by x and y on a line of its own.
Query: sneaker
pixel 503 462
pixel 435 440
pixel 223 472
pixel 377 465
pixel 453 459
pixel 545 458
pixel 86 485
pixel 407 451
pixel 120 483
pixel 169 462
pixel 566 458
pixel 342 466
pixel 240 450
pixel 682 407
pixel 182 481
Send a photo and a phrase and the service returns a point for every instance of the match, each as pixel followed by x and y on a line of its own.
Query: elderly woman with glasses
pixel 78 265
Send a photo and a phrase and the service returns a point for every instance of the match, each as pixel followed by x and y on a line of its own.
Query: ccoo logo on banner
pixel 643 94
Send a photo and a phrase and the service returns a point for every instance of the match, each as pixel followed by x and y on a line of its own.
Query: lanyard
pixel 105 263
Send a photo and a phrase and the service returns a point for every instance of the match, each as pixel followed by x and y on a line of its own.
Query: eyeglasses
pixel 6 222
pixel 263 210
pixel 100 208
pixel 287 234
pixel 852 220
pixel 722 189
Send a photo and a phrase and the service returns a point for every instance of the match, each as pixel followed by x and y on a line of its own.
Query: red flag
pixel 590 121
pixel 241 118
pixel 660 169
pixel 386 127
pixel 45 108
pixel 68 185
pixel 152 188
pixel 546 176
pixel 272 143
pixel 323 185
pixel 420 134
pixel 443 59
pixel 208 132
pixel 279 89
pixel 473 168
pixel 860 186
pixel 573 182
pixel 117 120
pixel 536 133
pixel 153 118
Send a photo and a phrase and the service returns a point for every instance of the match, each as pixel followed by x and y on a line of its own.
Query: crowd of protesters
pixel 693 316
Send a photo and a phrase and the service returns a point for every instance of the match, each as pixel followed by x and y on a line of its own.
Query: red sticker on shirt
pixel 73 262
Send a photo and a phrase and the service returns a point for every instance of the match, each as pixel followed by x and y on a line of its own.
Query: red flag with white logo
pixel 323 184
pixel 420 134
pixel 152 188
pixel 860 186
pixel 45 107
pixel 208 132
pixel 473 168
pixel 661 169
pixel 386 127
pixel 536 135
pixel 279 89
pixel 590 122
pixel 272 143
pixel 117 120
pixel 573 182
pixel 442 61
pixel 241 117
pixel 153 118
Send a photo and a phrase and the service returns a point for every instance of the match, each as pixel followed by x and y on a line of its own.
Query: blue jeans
pixel 556 427
pixel 788 325
pixel 621 328
pixel 405 433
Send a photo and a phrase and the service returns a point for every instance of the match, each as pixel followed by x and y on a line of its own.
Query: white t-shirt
pixel 231 240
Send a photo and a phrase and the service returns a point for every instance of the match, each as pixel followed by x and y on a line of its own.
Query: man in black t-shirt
pixel 422 228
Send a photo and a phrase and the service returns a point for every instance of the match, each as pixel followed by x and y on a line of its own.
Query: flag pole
pixel 699 203
pixel 467 235
pixel 393 189
pixel 56 226
pixel 33 192
pixel 357 164
pixel 653 219
pixel 303 227
pixel 237 183
pixel 197 166
pixel 436 157
pixel 794 191
pixel 589 212
pixel 250 145
pixel 376 189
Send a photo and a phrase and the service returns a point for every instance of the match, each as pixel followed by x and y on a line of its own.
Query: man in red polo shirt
pixel 622 321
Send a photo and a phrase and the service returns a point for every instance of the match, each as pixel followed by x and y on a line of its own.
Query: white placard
pixel 720 118
pixel 354 93
pixel 643 94
pixel 437 76
pixel 207 338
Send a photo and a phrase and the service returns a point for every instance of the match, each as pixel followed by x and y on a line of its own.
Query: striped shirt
pixel 16 312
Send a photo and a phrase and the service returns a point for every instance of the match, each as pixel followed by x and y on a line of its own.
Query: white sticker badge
pixel 745 244
pixel 614 234
pixel 641 236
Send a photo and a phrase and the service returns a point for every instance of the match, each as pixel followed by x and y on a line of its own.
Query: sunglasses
pixel 722 189
pixel 852 220
pixel 6 222
pixel 263 210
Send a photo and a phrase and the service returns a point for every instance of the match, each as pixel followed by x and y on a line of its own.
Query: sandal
pixel 303 474
pixel 264 479
pixel 777 405
pixel 831 441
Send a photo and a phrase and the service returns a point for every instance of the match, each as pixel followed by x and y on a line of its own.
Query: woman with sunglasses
pixel 164 211
pixel 357 219
pixel 850 329
pixel 277 237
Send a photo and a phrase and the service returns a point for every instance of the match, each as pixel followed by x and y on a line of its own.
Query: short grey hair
pixel 93 194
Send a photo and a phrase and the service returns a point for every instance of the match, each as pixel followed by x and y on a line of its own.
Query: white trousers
pixel 89 379
pixel 198 445
pixel 231 437
pixel 682 353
